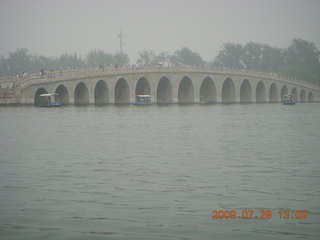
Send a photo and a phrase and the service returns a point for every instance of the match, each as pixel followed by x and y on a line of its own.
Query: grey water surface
pixel 158 172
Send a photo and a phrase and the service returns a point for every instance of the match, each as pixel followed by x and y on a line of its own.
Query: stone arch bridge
pixel 165 85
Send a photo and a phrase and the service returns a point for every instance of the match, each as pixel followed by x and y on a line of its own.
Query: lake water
pixel 158 172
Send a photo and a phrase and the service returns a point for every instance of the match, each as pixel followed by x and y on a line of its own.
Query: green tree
pixel 4 67
pixel 302 61
pixel 186 56
pixel 299 73
pixel 230 56
pixel 70 61
pixel 271 59
pixel 302 52
pixel 19 61
pixel 252 55
pixel 43 62
pixel 121 59
pixel 162 58
pixel 98 57
pixel 146 58
pixel 150 58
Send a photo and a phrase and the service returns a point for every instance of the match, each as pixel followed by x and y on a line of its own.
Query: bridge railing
pixel 58 75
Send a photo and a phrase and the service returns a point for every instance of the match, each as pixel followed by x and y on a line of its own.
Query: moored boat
pixel 288 99
pixel 143 100
pixel 49 100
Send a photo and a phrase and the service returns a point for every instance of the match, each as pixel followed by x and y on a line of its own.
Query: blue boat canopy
pixel 143 96
pixel 143 99
pixel 49 100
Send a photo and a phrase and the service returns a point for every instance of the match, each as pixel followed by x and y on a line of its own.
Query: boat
pixel 202 100
pixel 143 100
pixel 288 99
pixel 49 100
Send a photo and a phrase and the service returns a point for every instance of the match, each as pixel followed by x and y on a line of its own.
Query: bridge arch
pixel 273 93
pixel 310 97
pixel 261 93
pixel 303 96
pixel 63 94
pixel 37 94
pixel 185 91
pixel 284 91
pixel 208 91
pixel 245 92
pixel 143 87
pixel 228 94
pixel 81 94
pixel 101 93
pixel 294 92
pixel 121 92
pixel 164 91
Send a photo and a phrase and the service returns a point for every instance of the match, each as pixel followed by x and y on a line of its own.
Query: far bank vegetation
pixel 300 60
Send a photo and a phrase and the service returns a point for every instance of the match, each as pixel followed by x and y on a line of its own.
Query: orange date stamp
pixel 259 214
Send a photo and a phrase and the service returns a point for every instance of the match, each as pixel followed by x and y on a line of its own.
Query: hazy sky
pixel 54 27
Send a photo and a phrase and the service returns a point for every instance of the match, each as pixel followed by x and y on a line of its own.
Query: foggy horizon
pixel 77 26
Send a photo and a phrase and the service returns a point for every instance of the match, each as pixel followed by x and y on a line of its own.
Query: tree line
pixel 300 60
pixel 21 61
pixel 183 56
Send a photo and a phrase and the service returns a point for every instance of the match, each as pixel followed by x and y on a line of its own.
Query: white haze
pixel 51 28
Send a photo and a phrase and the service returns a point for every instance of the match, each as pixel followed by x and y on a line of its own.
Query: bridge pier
pixel 254 95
